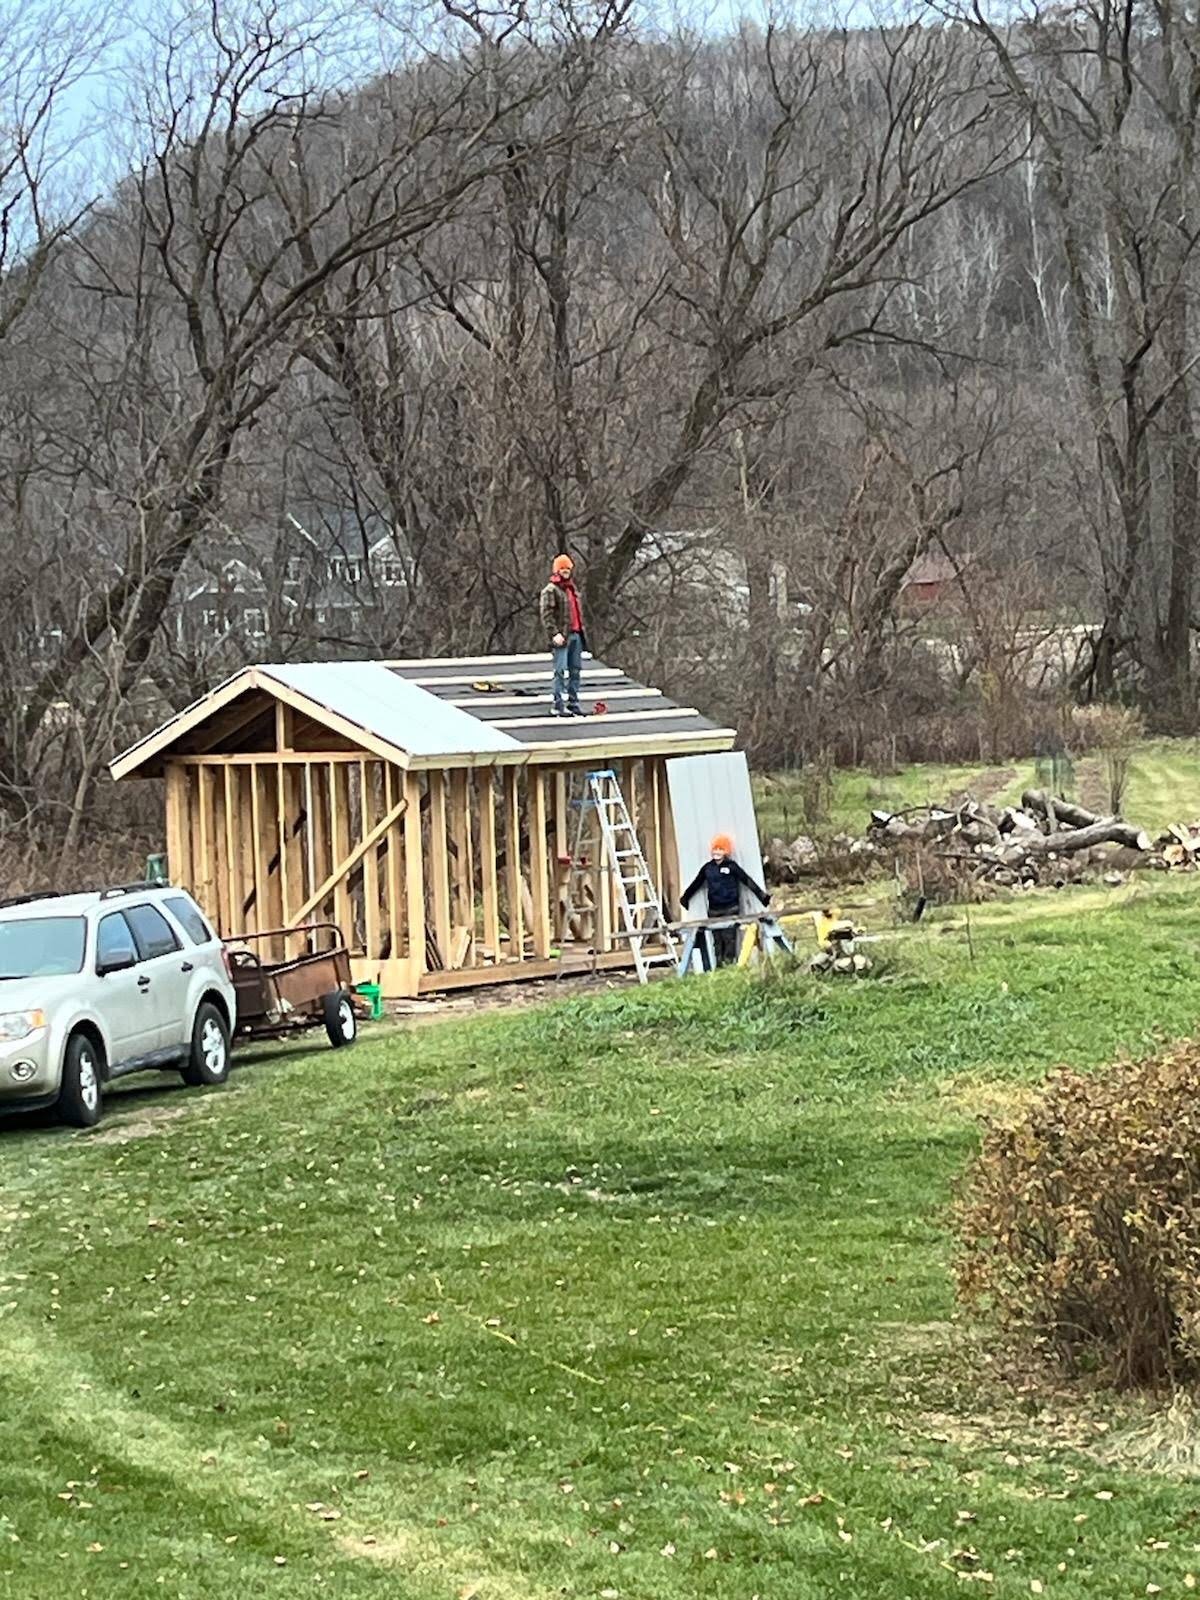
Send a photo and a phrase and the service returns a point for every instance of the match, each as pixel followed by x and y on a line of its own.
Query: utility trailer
pixel 279 998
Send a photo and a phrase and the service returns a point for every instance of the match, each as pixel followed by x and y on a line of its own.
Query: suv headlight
pixel 20 1024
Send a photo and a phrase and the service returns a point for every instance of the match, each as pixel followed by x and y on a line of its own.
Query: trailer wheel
pixel 341 1023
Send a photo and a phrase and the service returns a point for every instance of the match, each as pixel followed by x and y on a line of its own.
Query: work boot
pixel 576 711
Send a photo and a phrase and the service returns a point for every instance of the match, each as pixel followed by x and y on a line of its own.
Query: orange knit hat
pixel 562 564
pixel 723 843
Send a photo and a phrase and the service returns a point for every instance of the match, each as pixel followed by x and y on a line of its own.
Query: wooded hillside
pixel 349 336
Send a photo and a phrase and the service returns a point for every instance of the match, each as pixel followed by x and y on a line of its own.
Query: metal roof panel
pixel 387 705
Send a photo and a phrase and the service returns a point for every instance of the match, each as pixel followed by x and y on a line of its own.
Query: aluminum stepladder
pixel 639 904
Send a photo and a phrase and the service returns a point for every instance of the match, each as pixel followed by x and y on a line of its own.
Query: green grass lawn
pixel 638 1296
pixel 1164 787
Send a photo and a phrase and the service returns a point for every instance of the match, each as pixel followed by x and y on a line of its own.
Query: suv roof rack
pixel 129 888
pixel 28 899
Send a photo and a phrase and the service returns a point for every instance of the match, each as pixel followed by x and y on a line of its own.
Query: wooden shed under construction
pixel 422 806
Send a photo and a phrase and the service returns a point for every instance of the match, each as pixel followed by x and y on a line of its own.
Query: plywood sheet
pixel 710 795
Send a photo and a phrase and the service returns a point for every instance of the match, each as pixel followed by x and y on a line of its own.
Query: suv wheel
pixel 341 1024
pixel 208 1062
pixel 80 1093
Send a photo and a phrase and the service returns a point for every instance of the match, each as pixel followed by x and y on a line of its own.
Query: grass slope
pixel 589 1301
pixel 1164 787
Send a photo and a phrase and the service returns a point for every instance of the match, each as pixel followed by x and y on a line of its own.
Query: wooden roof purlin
pixel 428 714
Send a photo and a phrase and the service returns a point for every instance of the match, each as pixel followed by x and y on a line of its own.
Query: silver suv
pixel 93 986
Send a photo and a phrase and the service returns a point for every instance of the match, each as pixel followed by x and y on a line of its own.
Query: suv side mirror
pixel 117 963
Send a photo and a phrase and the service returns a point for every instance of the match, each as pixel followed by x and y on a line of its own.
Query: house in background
pixel 930 580
pixel 316 587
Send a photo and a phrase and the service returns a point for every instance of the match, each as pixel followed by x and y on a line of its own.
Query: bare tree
pixel 1111 94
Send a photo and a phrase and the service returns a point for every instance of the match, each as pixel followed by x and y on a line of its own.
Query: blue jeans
pixel 568 662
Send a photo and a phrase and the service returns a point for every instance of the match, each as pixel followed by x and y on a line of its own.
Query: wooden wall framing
pixel 438 879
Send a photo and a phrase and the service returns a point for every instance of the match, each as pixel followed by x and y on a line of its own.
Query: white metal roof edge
pixel 158 738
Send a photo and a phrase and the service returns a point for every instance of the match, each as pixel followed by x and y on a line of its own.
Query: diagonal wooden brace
pixel 346 867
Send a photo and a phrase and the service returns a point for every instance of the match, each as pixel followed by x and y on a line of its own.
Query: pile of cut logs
pixel 1043 840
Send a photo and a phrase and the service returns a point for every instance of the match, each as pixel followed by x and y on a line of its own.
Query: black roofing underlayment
pixel 524 690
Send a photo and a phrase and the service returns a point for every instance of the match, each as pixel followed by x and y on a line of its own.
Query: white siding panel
pixel 711 795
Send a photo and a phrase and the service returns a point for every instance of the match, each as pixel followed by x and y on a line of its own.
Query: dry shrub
pixel 941 880
pixel 1115 731
pixel 1079 1225
pixel 28 866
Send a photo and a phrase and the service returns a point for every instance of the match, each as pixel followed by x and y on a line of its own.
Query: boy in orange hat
pixel 724 880
pixel 561 611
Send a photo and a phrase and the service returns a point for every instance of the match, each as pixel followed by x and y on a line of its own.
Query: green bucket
pixel 373 993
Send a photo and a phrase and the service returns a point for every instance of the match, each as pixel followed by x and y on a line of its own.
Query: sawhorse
pixel 761 929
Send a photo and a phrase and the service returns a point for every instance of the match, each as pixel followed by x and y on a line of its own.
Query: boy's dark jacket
pixel 723 880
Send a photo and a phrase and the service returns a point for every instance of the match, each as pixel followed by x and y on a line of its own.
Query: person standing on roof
pixel 724 880
pixel 561 611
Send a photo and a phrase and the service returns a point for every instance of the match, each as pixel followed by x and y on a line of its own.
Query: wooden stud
pixel 671 884
pixel 463 866
pixel 393 792
pixel 486 800
pixel 320 778
pixel 414 879
pixel 284 722
pixel 539 883
pixel 209 900
pixel 366 800
pixel 653 825
pixel 257 864
pixel 512 863
pixel 312 873
pixel 248 908
pixel 179 852
pixel 293 787
pixel 195 881
pixel 233 891
pixel 439 864
pixel 562 831
pixel 339 836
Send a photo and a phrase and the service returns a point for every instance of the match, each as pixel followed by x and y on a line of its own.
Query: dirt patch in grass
pixel 991 782
pixel 143 1123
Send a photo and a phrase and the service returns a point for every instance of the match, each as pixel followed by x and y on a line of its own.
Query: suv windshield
pixel 41 947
